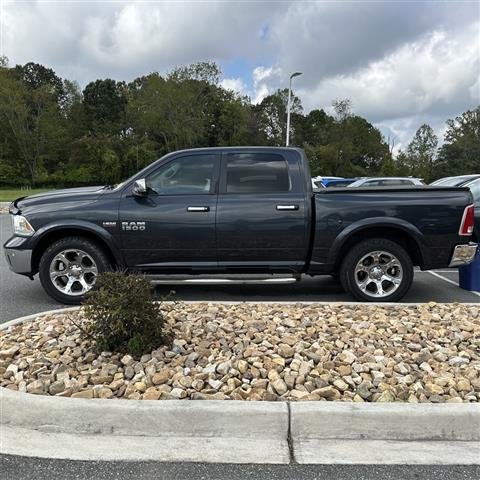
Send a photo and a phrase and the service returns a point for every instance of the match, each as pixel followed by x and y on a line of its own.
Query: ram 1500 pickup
pixel 245 210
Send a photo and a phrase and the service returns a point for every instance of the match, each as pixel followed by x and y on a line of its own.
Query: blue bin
pixel 469 275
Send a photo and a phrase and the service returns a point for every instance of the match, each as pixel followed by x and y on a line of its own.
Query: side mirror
pixel 139 188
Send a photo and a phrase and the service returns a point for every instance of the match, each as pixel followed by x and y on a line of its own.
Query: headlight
pixel 21 226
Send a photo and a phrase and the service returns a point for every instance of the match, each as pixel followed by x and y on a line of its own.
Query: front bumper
pixel 19 261
pixel 463 254
pixel 18 255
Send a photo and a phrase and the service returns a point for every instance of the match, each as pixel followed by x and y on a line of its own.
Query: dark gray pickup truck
pixel 231 211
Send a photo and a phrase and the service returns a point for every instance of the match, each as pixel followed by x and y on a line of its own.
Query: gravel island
pixel 272 352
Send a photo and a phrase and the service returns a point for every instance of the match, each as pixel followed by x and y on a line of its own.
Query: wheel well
pixel 55 235
pixel 396 235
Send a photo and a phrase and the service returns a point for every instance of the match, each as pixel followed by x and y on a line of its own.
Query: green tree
pixel 349 144
pixel 32 118
pixel 272 112
pixel 342 108
pixel 207 72
pixel 460 154
pixel 167 113
pixel 421 153
pixel 105 103
pixel 37 77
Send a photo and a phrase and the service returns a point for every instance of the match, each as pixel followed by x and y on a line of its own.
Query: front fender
pixel 379 222
pixel 77 227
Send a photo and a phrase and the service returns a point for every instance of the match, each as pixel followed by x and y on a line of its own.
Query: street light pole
pixel 296 74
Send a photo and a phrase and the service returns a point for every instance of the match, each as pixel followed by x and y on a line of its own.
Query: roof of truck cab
pixel 208 149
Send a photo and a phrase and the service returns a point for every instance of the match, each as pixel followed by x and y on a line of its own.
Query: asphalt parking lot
pixel 21 468
pixel 20 296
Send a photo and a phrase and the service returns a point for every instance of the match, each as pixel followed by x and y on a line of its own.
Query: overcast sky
pixel 402 63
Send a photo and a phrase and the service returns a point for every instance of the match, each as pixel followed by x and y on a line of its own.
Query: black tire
pixel 362 249
pixel 81 243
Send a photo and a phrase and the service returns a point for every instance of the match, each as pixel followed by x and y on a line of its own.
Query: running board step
pixel 219 281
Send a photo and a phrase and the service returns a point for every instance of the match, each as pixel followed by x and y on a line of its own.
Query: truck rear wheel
pixel 69 268
pixel 377 270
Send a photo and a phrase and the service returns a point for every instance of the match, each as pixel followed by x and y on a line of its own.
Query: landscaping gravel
pixel 359 353
pixel 4 207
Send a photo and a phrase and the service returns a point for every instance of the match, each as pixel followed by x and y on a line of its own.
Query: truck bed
pixel 429 215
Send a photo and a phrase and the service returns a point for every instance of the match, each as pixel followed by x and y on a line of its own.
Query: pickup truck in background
pixel 246 210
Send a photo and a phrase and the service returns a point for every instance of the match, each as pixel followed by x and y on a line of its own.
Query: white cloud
pixel 265 81
pixel 428 74
pixel 401 63
pixel 127 39
pixel 236 85
pixel 423 81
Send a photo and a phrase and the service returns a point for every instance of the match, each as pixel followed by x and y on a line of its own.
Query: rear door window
pixel 256 173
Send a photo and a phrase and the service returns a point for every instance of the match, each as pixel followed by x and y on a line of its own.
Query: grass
pixel 8 195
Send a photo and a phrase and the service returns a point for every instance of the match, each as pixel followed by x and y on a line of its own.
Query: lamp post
pixel 296 74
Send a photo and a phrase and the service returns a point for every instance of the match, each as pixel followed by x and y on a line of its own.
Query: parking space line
pixel 436 271
pixel 435 274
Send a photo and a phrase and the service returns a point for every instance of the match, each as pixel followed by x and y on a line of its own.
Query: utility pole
pixel 296 74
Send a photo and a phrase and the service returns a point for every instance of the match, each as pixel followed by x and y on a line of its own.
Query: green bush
pixel 122 316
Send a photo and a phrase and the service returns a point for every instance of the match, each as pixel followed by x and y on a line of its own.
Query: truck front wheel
pixel 69 268
pixel 377 270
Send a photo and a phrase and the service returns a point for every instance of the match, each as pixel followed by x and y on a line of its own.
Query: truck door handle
pixel 198 209
pixel 287 207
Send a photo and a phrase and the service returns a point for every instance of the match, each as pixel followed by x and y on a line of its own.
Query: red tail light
pixel 468 221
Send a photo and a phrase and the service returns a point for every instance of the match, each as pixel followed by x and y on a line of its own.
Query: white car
pixel 386 182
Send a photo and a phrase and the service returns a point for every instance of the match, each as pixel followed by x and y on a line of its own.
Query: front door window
pixel 190 175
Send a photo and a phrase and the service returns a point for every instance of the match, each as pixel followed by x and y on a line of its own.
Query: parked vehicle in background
pixel 317 185
pixel 239 210
pixel 386 182
pixel 331 182
pixel 473 183
pixel 454 181
pixel 341 182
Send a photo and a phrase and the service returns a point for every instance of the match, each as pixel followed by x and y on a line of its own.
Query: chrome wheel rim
pixel 73 272
pixel 378 274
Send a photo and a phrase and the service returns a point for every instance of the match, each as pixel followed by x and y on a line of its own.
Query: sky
pixel 401 63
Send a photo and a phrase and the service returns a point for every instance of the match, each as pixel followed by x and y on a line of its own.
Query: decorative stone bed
pixel 359 353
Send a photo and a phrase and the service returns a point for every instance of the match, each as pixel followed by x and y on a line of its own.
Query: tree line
pixel 52 133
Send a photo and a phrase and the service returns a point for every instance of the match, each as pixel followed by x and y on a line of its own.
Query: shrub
pixel 122 316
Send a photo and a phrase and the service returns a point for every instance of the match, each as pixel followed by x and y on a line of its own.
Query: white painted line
pixel 435 274
pixel 436 271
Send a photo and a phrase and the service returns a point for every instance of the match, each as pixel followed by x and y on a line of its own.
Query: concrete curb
pixel 385 421
pixel 236 432
pixel 244 432
pixel 335 432
pixel 26 318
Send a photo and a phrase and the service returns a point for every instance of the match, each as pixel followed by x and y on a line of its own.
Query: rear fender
pixel 364 225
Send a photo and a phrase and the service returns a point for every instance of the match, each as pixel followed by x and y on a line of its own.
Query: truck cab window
pixel 257 173
pixel 188 175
